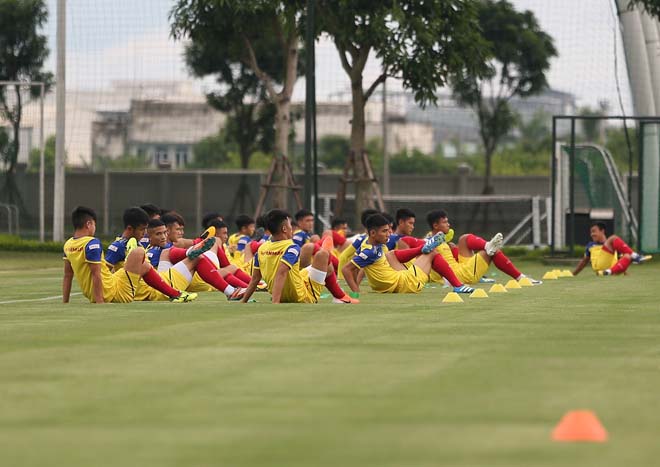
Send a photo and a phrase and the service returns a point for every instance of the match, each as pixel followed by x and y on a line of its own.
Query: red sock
pixel 454 252
pixel 441 266
pixel 209 273
pixel 475 243
pixel 621 247
pixel 338 239
pixel 505 265
pixel 408 254
pixel 621 265
pixel 235 281
pixel 222 258
pixel 176 254
pixel 242 276
pixel 154 280
pixel 254 246
pixel 335 262
pixel 333 286
pixel 412 242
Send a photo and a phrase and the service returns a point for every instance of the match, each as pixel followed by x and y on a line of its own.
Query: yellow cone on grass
pixel 452 297
pixel 550 275
pixel 566 273
pixel 498 288
pixel 525 282
pixel 479 293
pixel 513 284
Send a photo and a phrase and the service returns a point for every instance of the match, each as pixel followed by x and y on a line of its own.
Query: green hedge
pixel 14 243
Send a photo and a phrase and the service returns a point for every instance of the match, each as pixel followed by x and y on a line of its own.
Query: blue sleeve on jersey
pixel 153 254
pixel 292 255
pixel 365 257
pixel 242 243
pixel 93 250
pixel 391 242
pixel 168 245
pixel 587 250
pixel 357 242
pixel 300 238
pixel 116 252
pixel 256 260
pixel 144 242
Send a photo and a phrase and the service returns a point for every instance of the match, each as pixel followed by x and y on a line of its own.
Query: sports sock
pixel 209 274
pixel 254 246
pixel 441 266
pixel 222 258
pixel 335 262
pixel 454 252
pixel 333 286
pixel 412 242
pixel 621 265
pixel 327 244
pixel 242 275
pixel 235 281
pixel 408 254
pixel 475 243
pixel 177 254
pixel 504 264
pixel 621 247
pixel 338 239
pixel 153 280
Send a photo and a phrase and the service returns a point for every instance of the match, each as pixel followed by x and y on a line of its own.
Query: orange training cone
pixel 579 425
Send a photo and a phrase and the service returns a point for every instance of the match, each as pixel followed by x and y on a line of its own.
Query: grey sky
pixel 129 40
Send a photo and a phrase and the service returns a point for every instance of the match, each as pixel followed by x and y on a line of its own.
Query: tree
pixel 420 43
pixel 49 157
pixel 520 57
pixel 333 150
pixel 22 54
pixel 210 153
pixel 243 32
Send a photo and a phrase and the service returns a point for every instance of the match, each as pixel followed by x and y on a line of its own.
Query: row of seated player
pixel 152 260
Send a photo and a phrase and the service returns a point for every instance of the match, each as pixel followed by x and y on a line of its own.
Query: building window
pixel 162 157
pixel 181 156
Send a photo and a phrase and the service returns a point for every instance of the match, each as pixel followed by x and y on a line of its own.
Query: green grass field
pixel 399 380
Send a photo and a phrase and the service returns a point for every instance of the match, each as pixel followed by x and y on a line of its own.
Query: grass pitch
pixel 400 380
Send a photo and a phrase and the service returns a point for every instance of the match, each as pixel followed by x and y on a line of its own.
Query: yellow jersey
pixel 237 244
pixel 269 257
pixel 81 252
pixel 381 276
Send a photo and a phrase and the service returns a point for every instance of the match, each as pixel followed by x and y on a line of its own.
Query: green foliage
pixel 535 136
pixel 127 161
pixel 617 144
pixel 333 151
pixel 520 53
pixel 49 157
pixel 210 153
pixel 15 243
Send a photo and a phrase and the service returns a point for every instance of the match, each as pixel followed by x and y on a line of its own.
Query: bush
pixel 14 243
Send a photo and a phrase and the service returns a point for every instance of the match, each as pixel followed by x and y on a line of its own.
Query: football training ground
pixel 399 380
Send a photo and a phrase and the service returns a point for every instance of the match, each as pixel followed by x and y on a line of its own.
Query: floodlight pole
pixel 60 77
pixel 310 189
pixel 42 167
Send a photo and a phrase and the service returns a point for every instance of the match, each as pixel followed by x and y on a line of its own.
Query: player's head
pixel 84 218
pixel 378 228
pixel 210 216
pixel 152 210
pixel 175 225
pixel 339 223
pixel 279 223
pixel 135 222
pixel 598 232
pixel 245 224
pixel 305 220
pixel 157 232
pixel 390 219
pixel 438 221
pixel 221 230
pixel 405 221
pixel 261 225
pixel 365 215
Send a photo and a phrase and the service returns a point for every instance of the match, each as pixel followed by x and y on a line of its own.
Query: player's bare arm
pixel 97 282
pixel 67 281
pixel 252 286
pixel 350 272
pixel 278 282
pixel 583 262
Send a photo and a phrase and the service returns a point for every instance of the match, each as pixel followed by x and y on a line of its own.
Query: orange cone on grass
pixel 580 425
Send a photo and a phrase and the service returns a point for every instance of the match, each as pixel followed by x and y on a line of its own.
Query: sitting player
pixel 386 271
pixel 277 262
pixel 153 212
pixel 176 230
pixel 602 252
pixel 474 253
pixel 240 240
pixel 83 258
pixel 135 226
pixel 305 228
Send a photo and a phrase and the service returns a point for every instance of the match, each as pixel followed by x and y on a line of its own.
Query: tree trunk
pixel 282 130
pixel 488 186
pixel 363 194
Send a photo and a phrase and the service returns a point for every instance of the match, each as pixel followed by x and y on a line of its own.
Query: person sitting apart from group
pixel 474 253
pixel 83 259
pixel 602 252
pixel 277 262
pixel 386 270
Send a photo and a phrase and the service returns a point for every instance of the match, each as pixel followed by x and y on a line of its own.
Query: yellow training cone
pixel 498 288
pixel 513 284
pixel 549 275
pixel 525 282
pixel 566 273
pixel 557 272
pixel 452 297
pixel 479 293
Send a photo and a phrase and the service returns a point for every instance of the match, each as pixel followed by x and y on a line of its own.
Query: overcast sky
pixel 129 40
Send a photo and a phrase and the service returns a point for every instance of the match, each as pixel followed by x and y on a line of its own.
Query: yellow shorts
pixel 472 270
pixel 411 280
pixel 173 278
pixel 601 260
pixel 312 289
pixel 198 285
pixel 123 288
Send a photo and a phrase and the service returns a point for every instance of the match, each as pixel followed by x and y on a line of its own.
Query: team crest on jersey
pixel 112 248
pixel 293 251
pixel 93 246
pixel 363 255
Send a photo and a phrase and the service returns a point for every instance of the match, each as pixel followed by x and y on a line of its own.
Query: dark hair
pixel 217 223
pixel 151 209
pixel 337 222
pixel 303 213
pixel 81 215
pixel 365 215
pixel 210 216
pixel 434 216
pixel 243 221
pixel 375 221
pixel 261 221
pixel 275 219
pixel 404 214
pixel 600 225
pixel 172 217
pixel 134 217
pixel 153 223
pixel 388 216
